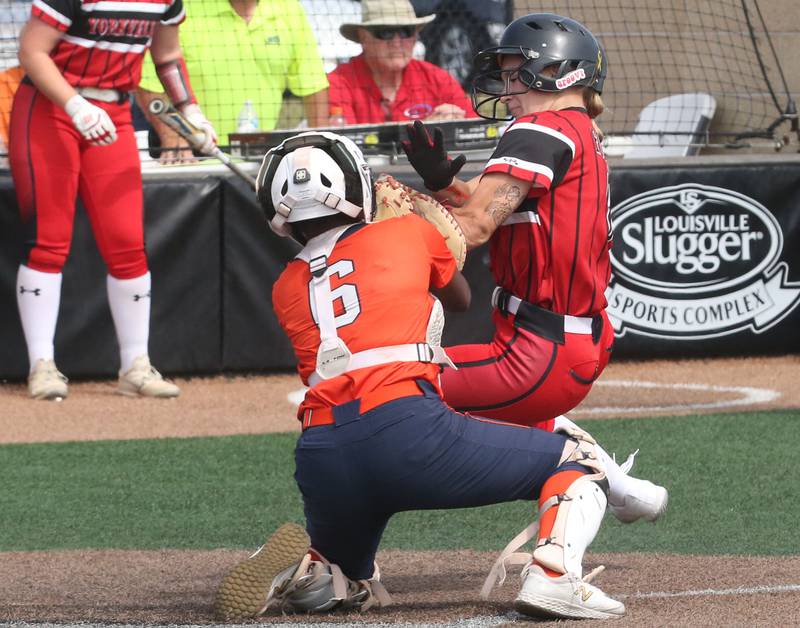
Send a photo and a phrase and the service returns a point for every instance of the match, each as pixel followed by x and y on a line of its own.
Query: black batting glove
pixel 429 158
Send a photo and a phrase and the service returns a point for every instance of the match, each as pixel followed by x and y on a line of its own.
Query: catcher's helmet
pixel 310 175
pixel 542 40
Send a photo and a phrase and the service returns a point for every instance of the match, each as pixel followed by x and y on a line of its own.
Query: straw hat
pixel 384 13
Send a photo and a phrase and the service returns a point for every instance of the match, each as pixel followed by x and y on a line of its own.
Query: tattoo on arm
pixel 506 200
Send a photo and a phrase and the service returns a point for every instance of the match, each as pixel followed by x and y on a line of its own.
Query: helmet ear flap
pixel 527 75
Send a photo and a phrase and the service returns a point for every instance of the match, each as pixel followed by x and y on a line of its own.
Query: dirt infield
pixel 255 405
pixel 176 587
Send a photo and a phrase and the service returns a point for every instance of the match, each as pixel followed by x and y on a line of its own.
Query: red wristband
pixel 175 79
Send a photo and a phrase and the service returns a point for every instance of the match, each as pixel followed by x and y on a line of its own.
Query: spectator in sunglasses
pixel 385 83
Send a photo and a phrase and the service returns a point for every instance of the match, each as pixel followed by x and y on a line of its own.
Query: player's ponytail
pixel 593 103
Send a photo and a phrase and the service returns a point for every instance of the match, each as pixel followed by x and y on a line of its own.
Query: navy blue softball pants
pixel 412 453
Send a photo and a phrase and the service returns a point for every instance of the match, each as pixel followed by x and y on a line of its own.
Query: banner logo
pixel 696 261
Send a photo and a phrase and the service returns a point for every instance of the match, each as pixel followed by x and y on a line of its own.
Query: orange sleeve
pixel 277 299
pixel 443 264
pixel 9 81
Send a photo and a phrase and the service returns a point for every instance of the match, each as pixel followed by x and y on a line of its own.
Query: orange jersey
pixel 380 278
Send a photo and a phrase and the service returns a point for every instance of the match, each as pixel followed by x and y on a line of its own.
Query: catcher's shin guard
pixel 571 503
pixel 572 506
pixel 567 530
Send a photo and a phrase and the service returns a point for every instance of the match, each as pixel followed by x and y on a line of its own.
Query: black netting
pixel 658 48
pixel 655 49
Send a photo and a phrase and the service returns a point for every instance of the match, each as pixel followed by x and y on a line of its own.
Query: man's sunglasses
pixel 386 33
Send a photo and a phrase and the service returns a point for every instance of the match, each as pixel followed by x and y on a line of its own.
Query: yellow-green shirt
pixel 231 61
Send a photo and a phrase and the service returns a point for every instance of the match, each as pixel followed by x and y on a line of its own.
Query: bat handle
pixel 225 159
pixel 173 119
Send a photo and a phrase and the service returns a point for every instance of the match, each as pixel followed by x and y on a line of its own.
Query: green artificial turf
pixel 732 481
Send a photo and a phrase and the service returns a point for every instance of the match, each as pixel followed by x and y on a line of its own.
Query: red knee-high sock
pixel 556 484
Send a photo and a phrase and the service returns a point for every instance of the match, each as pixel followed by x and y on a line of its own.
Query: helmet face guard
pixel 540 40
pixel 310 175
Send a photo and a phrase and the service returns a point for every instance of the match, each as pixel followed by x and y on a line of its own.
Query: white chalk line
pixel 748 396
pixel 777 588
pixel 481 621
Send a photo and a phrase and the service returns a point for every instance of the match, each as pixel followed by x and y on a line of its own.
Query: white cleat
pixel 643 500
pixel 47 382
pixel 142 380
pixel 566 597
pixel 648 502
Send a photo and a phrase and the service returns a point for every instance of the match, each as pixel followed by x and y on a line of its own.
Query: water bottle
pixel 247 122
pixel 337 117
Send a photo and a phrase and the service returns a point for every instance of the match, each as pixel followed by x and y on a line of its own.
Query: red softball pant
pixel 51 164
pixel 523 378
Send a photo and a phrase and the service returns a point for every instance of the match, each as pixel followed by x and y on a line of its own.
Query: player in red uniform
pixel 542 203
pixel 70 135
pixel 377 438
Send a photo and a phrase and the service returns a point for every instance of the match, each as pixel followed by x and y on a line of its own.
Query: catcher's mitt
pixel 393 198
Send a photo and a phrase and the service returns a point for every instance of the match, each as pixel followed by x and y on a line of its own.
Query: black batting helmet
pixel 542 40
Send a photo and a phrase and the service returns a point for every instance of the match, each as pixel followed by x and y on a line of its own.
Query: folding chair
pixel 672 126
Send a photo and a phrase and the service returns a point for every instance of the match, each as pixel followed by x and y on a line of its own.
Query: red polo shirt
pixel 424 87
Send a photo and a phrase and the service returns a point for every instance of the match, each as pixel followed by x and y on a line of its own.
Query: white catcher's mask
pixel 310 175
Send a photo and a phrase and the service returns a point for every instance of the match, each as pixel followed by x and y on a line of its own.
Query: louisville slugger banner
pixel 706 260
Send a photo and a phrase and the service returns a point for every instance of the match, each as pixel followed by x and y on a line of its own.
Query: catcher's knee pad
pixel 581 449
pixel 316 586
pixel 580 511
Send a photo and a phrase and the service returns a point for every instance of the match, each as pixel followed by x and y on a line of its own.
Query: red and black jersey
pixel 553 251
pixel 104 41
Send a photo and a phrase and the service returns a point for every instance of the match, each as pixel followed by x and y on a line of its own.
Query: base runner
pixel 542 204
